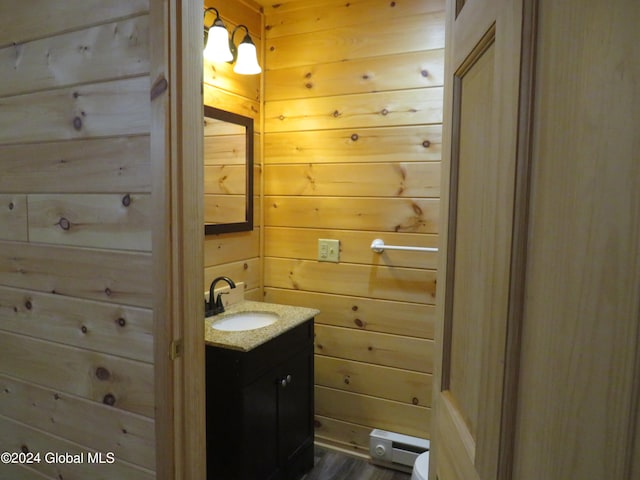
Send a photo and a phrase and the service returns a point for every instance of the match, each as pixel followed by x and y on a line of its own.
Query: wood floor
pixel 334 465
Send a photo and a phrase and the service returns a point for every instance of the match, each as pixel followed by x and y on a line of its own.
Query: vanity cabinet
pixel 260 408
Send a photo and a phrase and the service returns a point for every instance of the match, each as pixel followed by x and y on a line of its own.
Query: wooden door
pixel 579 407
pixel 485 181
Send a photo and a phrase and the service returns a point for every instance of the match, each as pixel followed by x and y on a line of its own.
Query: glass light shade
pixel 247 61
pixel 217 49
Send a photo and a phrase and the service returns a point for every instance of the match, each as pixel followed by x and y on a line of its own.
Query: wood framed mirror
pixel 228 171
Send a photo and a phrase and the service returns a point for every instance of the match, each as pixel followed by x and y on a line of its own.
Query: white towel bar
pixel 378 246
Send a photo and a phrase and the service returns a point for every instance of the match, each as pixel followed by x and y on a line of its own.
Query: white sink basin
pixel 241 321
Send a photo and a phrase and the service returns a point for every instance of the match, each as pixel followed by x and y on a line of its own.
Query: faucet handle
pixel 219 300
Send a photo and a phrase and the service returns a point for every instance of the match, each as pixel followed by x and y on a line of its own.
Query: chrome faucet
pixel 212 308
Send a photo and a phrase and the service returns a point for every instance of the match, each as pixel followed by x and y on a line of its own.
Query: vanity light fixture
pixel 245 54
pixel 220 48
pixel 216 39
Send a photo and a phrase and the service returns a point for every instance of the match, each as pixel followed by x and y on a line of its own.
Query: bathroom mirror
pixel 228 172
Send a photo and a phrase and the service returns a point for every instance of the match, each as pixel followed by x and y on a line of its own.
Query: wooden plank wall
pixel 237 255
pixel 353 112
pixel 76 323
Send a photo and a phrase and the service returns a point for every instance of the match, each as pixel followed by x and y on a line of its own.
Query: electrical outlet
pixel 328 250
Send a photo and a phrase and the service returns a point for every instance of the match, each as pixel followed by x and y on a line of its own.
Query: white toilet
pixel 421 467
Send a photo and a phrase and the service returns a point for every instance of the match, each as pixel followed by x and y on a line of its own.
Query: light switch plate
pixel 328 250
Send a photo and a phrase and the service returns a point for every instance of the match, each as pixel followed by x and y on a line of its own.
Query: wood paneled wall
pixel 237 255
pixel 352 133
pixel 76 319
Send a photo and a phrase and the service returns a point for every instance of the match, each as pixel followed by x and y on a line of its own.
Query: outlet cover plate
pixel 328 250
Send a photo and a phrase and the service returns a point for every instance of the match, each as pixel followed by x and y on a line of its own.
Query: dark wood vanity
pixel 260 408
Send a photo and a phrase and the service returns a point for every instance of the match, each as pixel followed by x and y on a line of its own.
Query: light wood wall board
pixel 359 145
pixel 375 380
pixel 14 470
pixel 374 74
pixel 220 76
pixel 225 180
pixel 349 104
pixel 381 109
pixel 21 25
pixel 237 12
pixel 17 435
pixel 13 217
pixel 386 283
pixel 255 295
pixel 101 165
pixel 355 246
pixel 119 107
pixel 224 190
pixel 256 6
pixel 284 19
pixel 126 384
pixel 213 127
pixel 113 277
pixel 225 208
pixel 111 50
pixel 231 247
pixel 74 132
pixel 118 222
pixel 130 437
pixel 377 214
pixel 372 412
pixel 399 35
pixel 398 179
pixel 375 315
pixel 249 107
pixel 385 349
pixel 224 150
pixel 342 435
pixel 115 329
pixel 246 270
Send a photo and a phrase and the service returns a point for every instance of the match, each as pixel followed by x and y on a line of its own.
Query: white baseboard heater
pixel 395 450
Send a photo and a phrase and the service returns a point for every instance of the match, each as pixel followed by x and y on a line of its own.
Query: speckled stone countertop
pixel 246 340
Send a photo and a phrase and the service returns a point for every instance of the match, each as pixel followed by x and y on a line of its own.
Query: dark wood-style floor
pixel 334 465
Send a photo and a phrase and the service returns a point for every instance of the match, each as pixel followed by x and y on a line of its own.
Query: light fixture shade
pixel 217 49
pixel 247 61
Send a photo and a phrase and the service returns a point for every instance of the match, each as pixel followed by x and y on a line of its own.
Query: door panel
pixel 475 211
pixel 480 160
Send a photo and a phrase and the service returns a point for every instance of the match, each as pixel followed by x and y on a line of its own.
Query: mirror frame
pixel 247 122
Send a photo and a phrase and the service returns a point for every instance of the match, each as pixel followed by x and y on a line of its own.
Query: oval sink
pixel 241 321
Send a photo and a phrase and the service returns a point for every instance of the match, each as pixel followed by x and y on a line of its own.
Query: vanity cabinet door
pixel 260 429
pixel 295 413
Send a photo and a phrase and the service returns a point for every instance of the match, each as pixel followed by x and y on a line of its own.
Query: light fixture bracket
pixel 217 22
pixel 232 43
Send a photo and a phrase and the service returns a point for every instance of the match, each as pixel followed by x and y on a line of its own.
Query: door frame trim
pixel 176 141
pixel 524 154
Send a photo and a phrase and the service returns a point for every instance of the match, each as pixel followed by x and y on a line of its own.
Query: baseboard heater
pixel 395 450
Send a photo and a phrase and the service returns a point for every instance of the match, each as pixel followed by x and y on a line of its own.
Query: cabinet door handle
pixel 283 382
pixel 289 378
